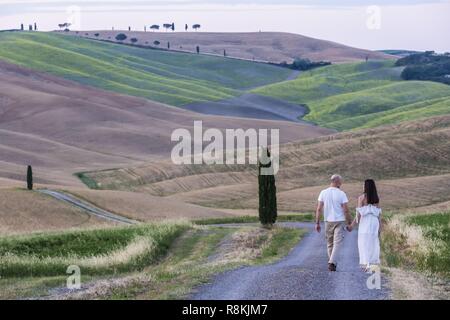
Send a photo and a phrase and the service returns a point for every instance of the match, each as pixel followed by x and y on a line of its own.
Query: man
pixel 334 203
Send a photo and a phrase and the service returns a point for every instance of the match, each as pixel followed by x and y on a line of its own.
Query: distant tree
pixel 21 26
pixel 168 45
pixel 173 26
pixel 35 26
pixel 64 25
pixel 167 26
pixel 29 178
pixel 154 27
pixel 129 28
pixel 304 64
pixel 197 49
pixel 30 27
pixel 186 27
pixel 267 191
pixel 196 26
pixel 367 58
pixel 121 37
pixel 134 40
pixel 156 43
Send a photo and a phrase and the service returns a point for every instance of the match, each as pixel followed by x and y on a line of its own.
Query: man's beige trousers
pixel 335 232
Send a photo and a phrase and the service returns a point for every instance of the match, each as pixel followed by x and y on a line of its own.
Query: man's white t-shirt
pixel 333 199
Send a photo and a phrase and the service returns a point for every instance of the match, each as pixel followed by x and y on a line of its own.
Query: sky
pixel 369 24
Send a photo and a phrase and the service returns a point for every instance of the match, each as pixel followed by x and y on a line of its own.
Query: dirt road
pixel 303 274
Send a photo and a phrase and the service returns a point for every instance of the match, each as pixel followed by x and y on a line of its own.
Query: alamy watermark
pixel 74 278
pixel 373 21
pixel 73 17
pixel 238 146
pixel 374 280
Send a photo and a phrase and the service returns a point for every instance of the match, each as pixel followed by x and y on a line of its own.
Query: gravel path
pixel 89 208
pixel 303 274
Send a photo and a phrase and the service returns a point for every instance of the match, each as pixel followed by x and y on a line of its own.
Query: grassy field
pixel 180 256
pixel 168 77
pixel 436 229
pixel 419 242
pixel 101 251
pixel 362 95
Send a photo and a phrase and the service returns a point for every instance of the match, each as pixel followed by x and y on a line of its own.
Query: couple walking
pixel 333 202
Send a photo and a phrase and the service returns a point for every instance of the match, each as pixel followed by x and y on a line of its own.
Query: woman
pixel 368 216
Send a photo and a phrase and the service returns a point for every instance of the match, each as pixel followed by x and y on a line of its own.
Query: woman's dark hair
pixel 370 189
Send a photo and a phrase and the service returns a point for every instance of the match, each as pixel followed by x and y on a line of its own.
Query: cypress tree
pixel 267 193
pixel 30 178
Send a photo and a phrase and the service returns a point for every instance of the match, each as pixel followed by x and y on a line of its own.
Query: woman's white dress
pixel 368 239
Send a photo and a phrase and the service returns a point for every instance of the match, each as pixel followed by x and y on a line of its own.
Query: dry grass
pixel 262 46
pixel 24 212
pixel 100 289
pixel 410 161
pixel 246 244
pixel 144 207
pixel 410 285
pixel 432 208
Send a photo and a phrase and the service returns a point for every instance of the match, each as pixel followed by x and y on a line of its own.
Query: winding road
pixel 303 274
pixel 89 208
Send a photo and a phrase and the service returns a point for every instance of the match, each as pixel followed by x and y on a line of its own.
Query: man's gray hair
pixel 336 177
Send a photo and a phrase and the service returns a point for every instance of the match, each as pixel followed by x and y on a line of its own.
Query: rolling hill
pixel 169 77
pixel 411 161
pixel 61 127
pixel 23 212
pixel 275 47
pixel 362 95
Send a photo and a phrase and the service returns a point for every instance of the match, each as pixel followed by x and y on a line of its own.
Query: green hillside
pixel 169 77
pixel 362 95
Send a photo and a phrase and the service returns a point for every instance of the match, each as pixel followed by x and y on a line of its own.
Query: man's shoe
pixel 331 267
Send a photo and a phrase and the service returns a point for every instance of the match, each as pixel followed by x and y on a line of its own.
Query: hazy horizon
pixel 398 24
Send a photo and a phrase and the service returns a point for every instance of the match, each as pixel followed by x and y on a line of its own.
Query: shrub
pixel 121 37
pixel 426 66
pixel 304 64
pixel 134 40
